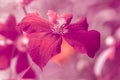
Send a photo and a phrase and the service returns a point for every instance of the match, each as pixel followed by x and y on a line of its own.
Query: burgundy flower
pixel 9 48
pixel 45 37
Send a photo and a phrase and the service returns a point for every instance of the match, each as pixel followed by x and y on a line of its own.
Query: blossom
pixel 9 37
pixel 45 37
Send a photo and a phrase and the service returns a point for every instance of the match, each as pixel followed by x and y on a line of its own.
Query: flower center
pixel 60 26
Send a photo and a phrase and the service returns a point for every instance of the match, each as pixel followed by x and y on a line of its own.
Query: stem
pixel 24 9
pixel 12 54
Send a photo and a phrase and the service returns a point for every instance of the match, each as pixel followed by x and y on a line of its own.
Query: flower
pixel 9 48
pixel 45 37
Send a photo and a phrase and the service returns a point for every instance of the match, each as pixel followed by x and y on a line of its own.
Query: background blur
pixel 102 15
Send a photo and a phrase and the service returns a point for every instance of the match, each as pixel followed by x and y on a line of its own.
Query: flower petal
pixel 92 42
pixel 43 46
pixel 6 53
pixel 11 21
pixel 33 23
pixel 52 16
pixel 67 17
pixel 77 40
pixel 84 41
pixel 81 25
pixel 23 64
pixel 9 28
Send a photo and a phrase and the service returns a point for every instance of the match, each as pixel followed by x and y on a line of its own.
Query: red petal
pixel 84 41
pixel 43 46
pixel 23 64
pixel 33 23
pixel 11 22
pixel 77 40
pixel 78 37
pixel 92 42
pixel 67 17
pixel 52 16
pixel 6 53
pixel 9 28
pixel 81 25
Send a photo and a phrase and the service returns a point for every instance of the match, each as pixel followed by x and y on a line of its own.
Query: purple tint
pixel 80 39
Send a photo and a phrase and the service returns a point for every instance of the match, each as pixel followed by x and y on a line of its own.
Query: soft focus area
pixel 70 64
